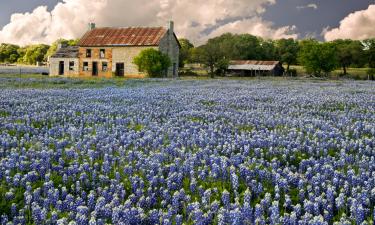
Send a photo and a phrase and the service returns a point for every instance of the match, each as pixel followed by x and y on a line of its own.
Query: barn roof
pixel 252 65
pixel 66 52
pixel 130 36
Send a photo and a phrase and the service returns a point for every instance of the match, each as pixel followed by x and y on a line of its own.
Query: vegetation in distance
pixel 318 59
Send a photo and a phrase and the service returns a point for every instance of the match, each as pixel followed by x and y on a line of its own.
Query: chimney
pixel 170 26
pixel 91 26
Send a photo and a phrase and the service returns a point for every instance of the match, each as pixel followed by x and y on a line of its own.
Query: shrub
pixel 153 62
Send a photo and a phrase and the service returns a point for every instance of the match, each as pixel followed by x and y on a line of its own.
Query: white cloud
pixel 309 6
pixel 258 27
pixel 358 25
pixel 69 18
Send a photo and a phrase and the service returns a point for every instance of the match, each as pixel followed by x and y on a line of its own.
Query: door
pixel 95 68
pixel 61 68
pixel 120 69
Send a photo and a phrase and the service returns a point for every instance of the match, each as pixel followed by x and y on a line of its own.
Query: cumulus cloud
pixel 309 6
pixel 256 26
pixel 194 19
pixel 358 25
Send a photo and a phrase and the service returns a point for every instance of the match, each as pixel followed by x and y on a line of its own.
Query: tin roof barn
pixel 254 68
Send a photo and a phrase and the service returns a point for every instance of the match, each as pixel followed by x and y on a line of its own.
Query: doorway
pixel 95 68
pixel 120 69
pixel 61 68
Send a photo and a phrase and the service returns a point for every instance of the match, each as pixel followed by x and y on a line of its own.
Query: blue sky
pixel 308 20
pixel 194 19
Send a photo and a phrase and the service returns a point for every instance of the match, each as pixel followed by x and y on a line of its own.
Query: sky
pixel 44 21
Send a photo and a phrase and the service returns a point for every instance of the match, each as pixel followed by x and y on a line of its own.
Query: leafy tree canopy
pixel 318 58
pixel 153 62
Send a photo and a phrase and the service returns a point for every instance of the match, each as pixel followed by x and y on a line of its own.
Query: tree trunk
pixel 344 68
pixel 212 72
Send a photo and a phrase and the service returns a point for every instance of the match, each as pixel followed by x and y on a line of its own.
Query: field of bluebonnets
pixel 192 152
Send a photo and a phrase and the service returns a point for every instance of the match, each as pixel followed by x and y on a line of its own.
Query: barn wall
pixel 95 57
pixel 54 66
pixel 169 45
pixel 126 55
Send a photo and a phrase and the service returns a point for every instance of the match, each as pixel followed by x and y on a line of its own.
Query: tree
pixel 287 50
pixel 9 53
pixel 348 53
pixel 211 55
pixel 267 50
pixel 185 52
pixel 318 58
pixel 369 46
pixel 33 53
pixel 153 62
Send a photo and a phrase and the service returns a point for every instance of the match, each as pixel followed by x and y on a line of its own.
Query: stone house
pixel 108 52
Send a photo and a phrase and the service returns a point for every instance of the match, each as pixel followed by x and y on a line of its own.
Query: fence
pixel 24 70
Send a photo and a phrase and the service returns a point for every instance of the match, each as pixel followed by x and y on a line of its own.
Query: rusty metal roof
pixel 252 65
pixel 130 36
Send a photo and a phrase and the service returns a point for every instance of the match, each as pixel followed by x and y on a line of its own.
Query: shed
pixel 65 61
pixel 255 68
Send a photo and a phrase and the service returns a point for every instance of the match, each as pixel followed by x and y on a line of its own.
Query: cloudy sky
pixel 43 21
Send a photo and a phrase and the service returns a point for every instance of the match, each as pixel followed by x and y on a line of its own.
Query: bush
pixel 371 73
pixel 153 62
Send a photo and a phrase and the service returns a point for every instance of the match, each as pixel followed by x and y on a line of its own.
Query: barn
pixel 109 51
pixel 255 68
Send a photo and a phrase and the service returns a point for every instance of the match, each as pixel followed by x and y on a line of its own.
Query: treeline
pixel 318 58
pixel 31 54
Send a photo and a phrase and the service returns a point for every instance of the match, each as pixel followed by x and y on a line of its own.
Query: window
pixel 104 66
pixel 102 53
pixel 88 53
pixel 71 65
pixel 85 66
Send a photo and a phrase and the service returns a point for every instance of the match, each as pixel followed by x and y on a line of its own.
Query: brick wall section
pixel 95 57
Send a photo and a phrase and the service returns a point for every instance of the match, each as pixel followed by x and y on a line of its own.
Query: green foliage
pixel 371 73
pixel 185 52
pixel 9 53
pixel 212 55
pixel 33 53
pixel 318 58
pixel 349 52
pixel 287 49
pixel 369 46
pixel 153 62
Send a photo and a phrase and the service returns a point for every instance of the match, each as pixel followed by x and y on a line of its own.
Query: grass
pixel 353 73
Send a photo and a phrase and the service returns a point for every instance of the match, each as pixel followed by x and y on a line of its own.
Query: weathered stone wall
pixel 169 45
pixel 54 66
pixel 126 55
pixel 95 57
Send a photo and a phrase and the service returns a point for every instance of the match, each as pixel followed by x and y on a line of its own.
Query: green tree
pixel 287 50
pixel 211 55
pixel 185 52
pixel 318 58
pixel 9 53
pixel 348 53
pixel 369 46
pixel 33 53
pixel 153 62
pixel 267 50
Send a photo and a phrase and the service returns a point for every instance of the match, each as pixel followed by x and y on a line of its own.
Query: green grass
pixel 353 73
